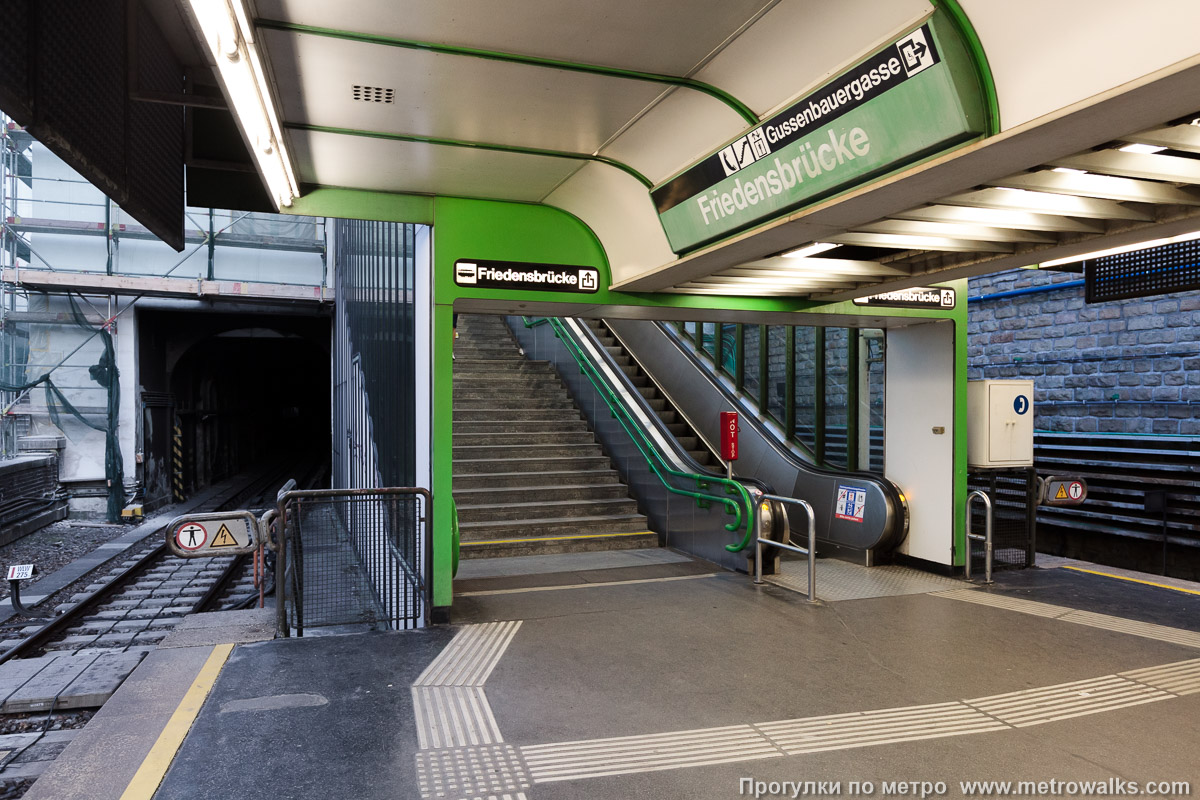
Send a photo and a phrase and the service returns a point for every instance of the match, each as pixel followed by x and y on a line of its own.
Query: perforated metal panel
pixel 15 91
pixel 156 138
pixel 1170 268
pixel 67 73
pixel 1014 506
pixel 80 92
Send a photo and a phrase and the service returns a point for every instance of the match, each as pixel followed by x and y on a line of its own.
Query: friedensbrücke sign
pixel 915 97
pixel 526 276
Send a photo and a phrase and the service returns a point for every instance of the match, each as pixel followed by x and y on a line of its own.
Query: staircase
pixel 662 406
pixel 529 476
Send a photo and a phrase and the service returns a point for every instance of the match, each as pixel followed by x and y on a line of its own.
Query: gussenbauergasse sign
pixel 915 97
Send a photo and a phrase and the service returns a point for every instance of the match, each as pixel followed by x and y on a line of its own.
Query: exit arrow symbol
pixel 919 50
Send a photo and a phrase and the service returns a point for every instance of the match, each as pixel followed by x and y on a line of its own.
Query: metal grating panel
pixel 155 148
pixel 15 91
pixel 81 87
pixel 1141 273
pixel 841 580
pixel 1014 504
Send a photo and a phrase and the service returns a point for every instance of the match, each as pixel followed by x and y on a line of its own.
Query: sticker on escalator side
pixel 916 297
pixel 915 97
pixel 526 276
pixel 851 503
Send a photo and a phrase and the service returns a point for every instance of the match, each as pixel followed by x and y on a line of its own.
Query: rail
pixel 986 538
pixel 810 551
pixel 654 459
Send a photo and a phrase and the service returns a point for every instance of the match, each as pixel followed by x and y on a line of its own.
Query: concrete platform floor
pixel 697 684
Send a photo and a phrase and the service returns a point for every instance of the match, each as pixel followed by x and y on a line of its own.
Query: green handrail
pixel 654 459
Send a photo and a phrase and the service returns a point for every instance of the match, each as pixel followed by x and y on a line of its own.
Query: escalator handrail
pixel 654 459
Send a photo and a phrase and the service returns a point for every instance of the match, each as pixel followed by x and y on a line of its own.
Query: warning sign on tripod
pixel 224 533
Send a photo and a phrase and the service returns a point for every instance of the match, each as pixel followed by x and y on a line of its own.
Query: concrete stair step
pixel 510 383
pixel 547 477
pixel 493 414
pixel 485 349
pixel 522 439
pixel 532 512
pixel 519 363
pixel 530 451
pixel 567 424
pixel 551 526
pixel 474 466
pixel 581 543
pixel 499 400
pixel 539 493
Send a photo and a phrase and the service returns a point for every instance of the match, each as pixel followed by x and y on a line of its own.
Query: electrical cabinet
pixel 1000 423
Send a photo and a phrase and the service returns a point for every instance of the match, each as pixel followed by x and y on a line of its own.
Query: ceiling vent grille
pixel 373 94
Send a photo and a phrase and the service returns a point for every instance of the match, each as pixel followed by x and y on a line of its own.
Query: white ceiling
pixel 1062 93
pixel 664 36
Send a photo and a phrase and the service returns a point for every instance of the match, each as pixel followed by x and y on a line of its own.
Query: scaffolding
pixel 72 262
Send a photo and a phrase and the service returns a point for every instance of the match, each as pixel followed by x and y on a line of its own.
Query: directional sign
pixel 1064 491
pixel 216 534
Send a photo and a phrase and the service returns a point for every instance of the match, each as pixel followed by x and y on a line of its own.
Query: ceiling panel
pixel 387 166
pixel 799 44
pixel 680 130
pixel 665 36
pixel 448 96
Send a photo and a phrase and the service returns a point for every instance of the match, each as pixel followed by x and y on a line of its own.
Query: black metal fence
pixel 354 557
pixel 1014 518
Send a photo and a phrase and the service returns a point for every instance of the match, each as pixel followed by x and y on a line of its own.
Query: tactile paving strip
pixel 840 580
pixel 465 773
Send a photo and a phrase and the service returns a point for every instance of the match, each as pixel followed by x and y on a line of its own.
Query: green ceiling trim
pixel 728 99
pixel 334 201
pixel 502 148
pixel 982 68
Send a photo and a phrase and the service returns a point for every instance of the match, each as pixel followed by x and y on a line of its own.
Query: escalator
pixel 675 422
pixel 679 400
pixel 859 513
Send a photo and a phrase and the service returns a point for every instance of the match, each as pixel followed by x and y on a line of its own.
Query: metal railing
pixel 986 538
pixel 741 511
pixel 810 551
pixel 353 557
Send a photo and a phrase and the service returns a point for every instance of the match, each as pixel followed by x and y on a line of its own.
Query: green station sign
pixel 914 98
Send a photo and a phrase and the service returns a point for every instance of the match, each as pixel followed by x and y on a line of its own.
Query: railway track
pixel 137 603
pixel 62 668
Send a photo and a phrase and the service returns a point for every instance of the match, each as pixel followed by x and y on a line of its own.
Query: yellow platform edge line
pixel 557 538
pixel 149 775
pixel 1133 580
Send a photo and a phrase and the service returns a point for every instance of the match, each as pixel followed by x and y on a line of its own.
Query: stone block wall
pixel 1129 366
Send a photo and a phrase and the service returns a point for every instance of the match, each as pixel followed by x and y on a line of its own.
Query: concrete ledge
pixel 223 627
pixel 103 758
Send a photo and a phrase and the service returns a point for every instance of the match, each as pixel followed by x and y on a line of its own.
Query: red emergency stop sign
pixel 729 436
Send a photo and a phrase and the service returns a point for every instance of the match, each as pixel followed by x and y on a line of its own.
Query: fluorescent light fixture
pixel 1137 147
pixel 1069 171
pixel 810 250
pixel 229 35
pixel 1183 237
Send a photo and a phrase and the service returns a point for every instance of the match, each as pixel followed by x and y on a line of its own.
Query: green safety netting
pixel 103 372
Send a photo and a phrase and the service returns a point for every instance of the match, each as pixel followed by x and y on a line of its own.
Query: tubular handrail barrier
pixel 654 459
pixel 986 538
pixel 810 551
pixel 388 552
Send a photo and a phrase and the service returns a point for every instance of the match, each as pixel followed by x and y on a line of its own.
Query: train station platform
pixel 651 674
